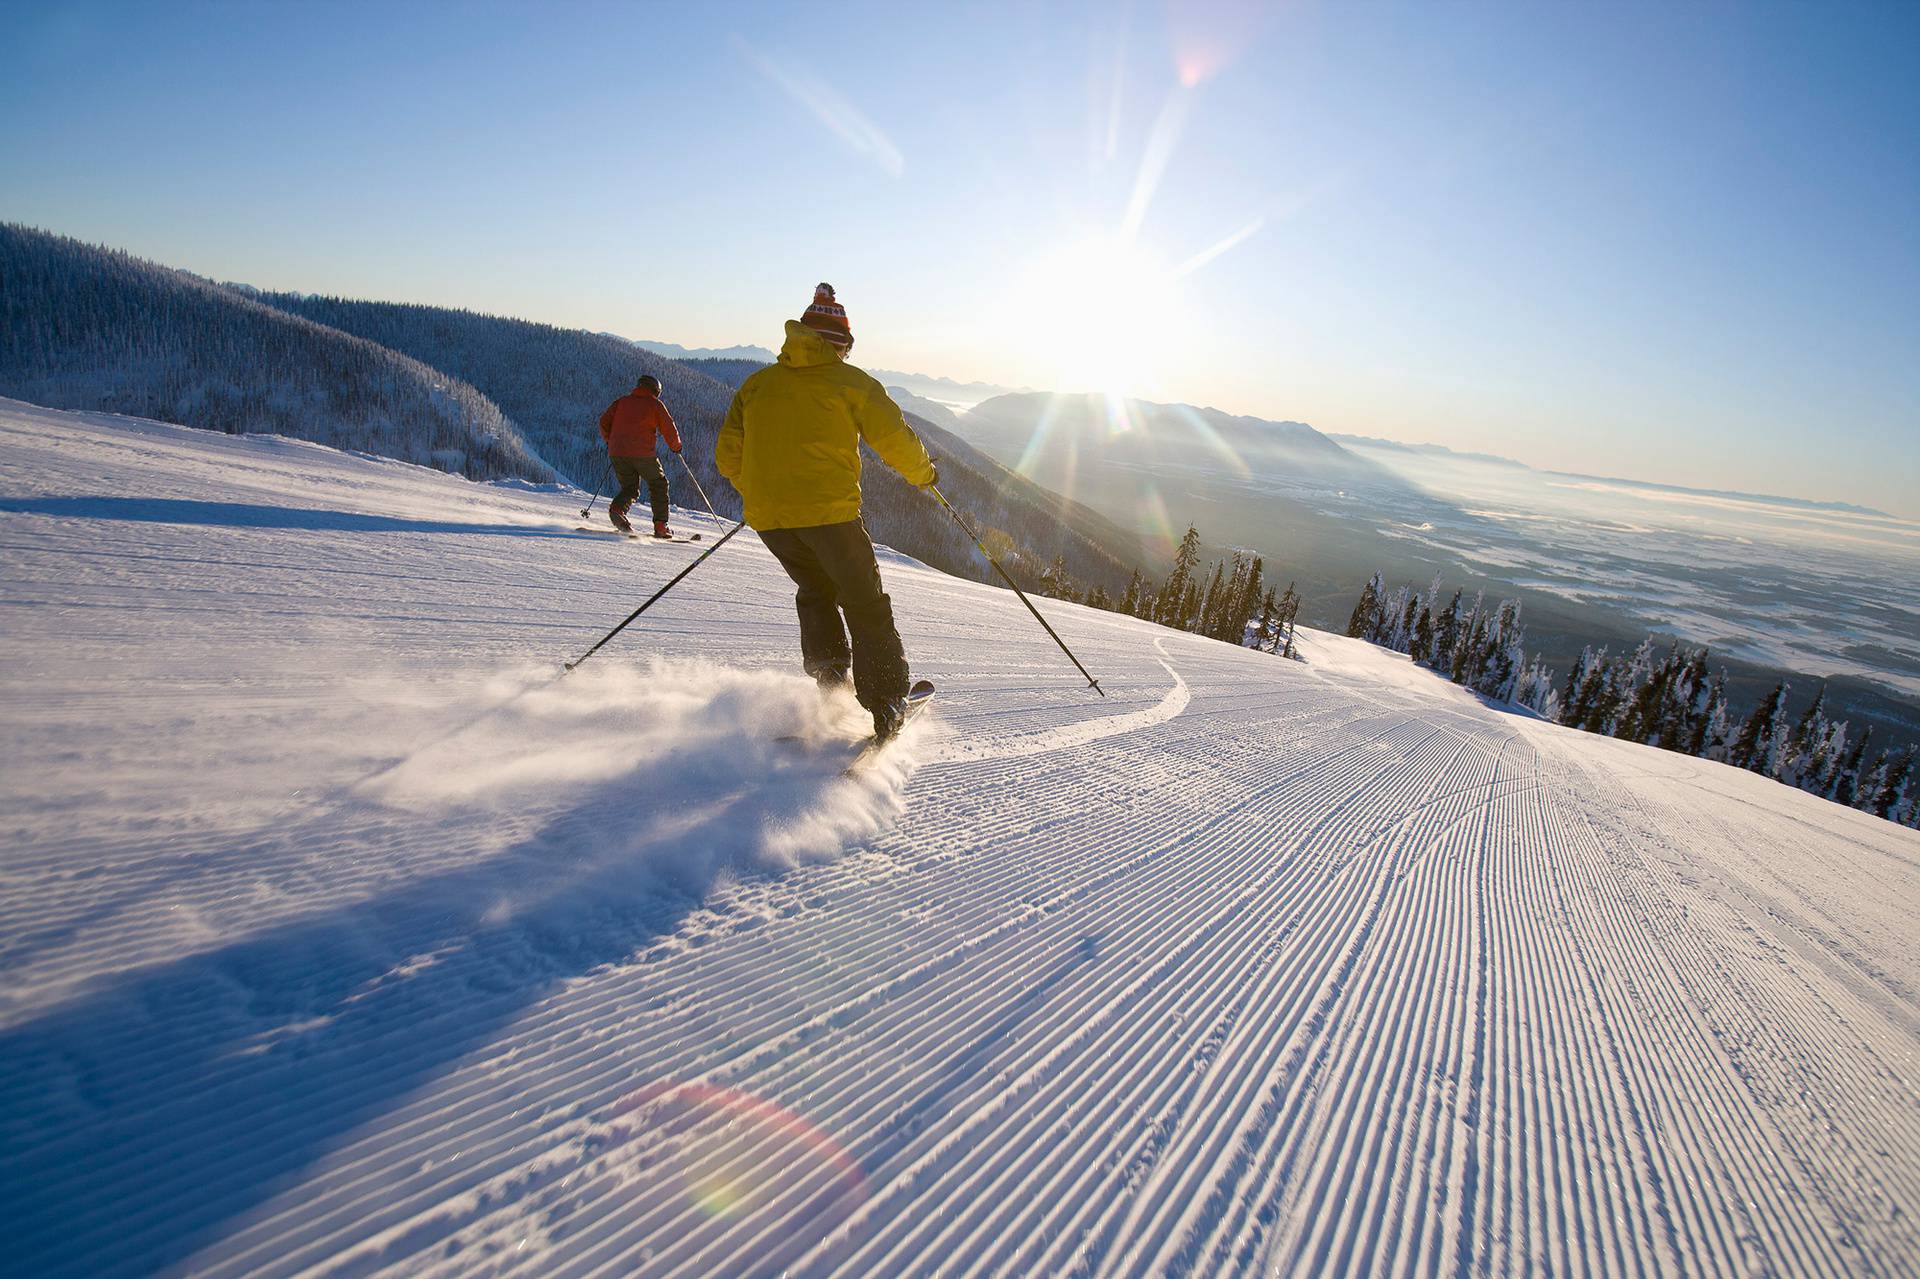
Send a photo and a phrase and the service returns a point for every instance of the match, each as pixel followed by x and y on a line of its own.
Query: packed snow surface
pixel 341 935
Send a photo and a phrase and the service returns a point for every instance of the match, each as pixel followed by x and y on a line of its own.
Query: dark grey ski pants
pixel 834 567
pixel 630 471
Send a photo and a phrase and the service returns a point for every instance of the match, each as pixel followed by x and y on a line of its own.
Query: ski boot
pixel 889 718
pixel 618 514
pixel 661 531
pixel 830 677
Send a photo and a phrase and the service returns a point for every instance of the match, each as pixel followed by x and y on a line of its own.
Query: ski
pixel 636 537
pixel 919 697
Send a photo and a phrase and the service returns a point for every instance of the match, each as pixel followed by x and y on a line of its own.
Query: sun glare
pixel 1098 310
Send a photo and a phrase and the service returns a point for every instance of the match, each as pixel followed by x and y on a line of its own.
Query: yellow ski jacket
pixel 791 441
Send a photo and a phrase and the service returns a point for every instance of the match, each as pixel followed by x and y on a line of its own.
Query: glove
pixel 935 479
pixel 675 452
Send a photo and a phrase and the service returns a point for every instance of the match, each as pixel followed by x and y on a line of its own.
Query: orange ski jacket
pixel 632 422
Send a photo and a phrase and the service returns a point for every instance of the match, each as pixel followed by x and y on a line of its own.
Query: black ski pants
pixel 834 567
pixel 630 471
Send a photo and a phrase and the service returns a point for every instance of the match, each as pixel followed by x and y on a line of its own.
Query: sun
pixel 1099 311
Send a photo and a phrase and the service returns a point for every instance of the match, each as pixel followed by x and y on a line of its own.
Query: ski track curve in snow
pixel 313 968
pixel 1078 733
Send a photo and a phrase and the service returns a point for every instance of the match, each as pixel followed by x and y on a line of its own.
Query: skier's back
pixel 630 427
pixel 791 446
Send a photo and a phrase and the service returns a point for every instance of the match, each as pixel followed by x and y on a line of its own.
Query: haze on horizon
pixel 1673 244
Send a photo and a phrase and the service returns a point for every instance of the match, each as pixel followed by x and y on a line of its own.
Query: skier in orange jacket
pixel 631 426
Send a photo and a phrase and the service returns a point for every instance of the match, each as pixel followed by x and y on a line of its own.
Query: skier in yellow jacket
pixel 791 446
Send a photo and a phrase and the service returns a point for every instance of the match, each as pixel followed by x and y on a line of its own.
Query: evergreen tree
pixel 1846 782
pixel 1287 616
pixel 1055 582
pixel 1445 635
pixel 1867 790
pixel 1186 559
pixel 1230 623
pixel 1640 718
pixel 1469 648
pixel 1615 686
pixel 1719 733
pixel 1366 613
pixel 1264 637
pixel 1212 604
pixel 1573 702
pixel 1409 622
pixel 1776 761
pixel 1753 749
pixel 1386 626
pixel 1534 690
pixel 1822 769
pixel 1798 763
pixel 1250 589
pixel 1506 659
pixel 1130 602
pixel 1630 681
pixel 1899 769
pixel 1422 652
pixel 1709 739
pixel 1684 721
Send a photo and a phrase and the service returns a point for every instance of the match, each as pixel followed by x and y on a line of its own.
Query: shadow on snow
pixel 142 1120
pixel 167 510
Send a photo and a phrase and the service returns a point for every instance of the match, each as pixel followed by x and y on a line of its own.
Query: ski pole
pixel 656 595
pixel 685 466
pixel 596 490
pixel 968 530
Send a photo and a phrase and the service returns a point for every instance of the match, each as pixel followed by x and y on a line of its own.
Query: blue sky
pixel 1674 242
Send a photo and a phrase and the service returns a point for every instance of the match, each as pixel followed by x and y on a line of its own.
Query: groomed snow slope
pixel 338 937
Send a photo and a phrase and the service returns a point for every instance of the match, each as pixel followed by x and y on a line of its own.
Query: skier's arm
pixel 606 424
pixel 727 446
pixel 668 428
pixel 884 428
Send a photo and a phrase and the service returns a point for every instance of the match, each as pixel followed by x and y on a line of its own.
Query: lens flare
pixel 734 1153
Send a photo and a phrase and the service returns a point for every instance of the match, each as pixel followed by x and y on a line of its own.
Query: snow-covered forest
pixel 1667 699
pixel 88 327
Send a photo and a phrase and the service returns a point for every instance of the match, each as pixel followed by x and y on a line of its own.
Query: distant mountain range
pixel 1491 459
pixel 1433 450
pixel 940 393
pixel 1280 489
pixel 673 350
pixel 938 389
pixel 1054 435
pixel 943 390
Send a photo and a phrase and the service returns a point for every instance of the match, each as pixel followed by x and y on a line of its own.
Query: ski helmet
pixel 648 382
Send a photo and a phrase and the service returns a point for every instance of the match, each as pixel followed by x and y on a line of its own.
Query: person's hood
pixel 805 348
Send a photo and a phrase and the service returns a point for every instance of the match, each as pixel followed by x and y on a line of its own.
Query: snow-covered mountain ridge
pixel 87 327
pixel 339 936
